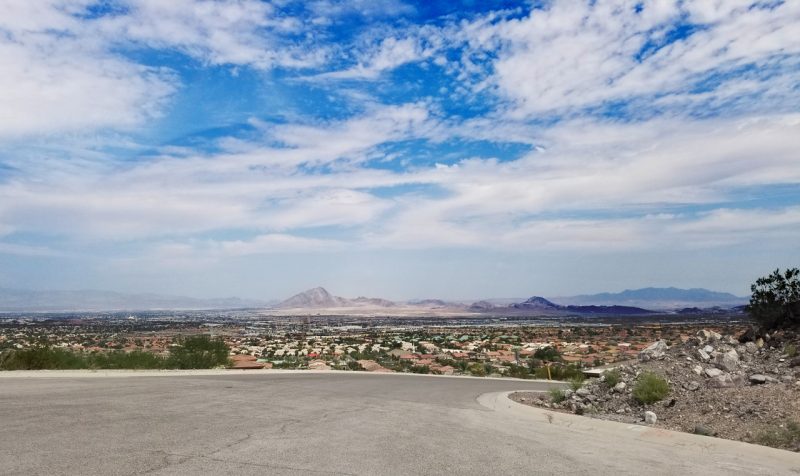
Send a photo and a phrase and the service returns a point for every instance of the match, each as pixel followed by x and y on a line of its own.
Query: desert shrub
pixel 42 358
pixel 787 437
pixel 125 360
pixel 420 369
pixel 518 371
pixel 198 352
pixel 790 350
pixel 576 381
pixel 650 388
pixel 557 395
pixel 558 372
pixel 612 377
pixel 478 370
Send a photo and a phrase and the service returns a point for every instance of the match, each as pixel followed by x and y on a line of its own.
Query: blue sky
pixel 433 149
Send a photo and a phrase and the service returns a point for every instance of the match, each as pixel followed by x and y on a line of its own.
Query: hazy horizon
pixel 333 291
pixel 404 150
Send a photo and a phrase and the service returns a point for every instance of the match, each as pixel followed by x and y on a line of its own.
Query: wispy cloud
pixel 593 127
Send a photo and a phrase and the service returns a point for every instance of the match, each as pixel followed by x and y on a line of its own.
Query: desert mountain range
pixel 636 301
pixel 640 301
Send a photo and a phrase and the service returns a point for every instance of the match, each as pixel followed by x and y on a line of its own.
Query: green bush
pixel 790 350
pixel 558 372
pixel 478 370
pixel 576 381
pixel 557 395
pixel 780 437
pixel 198 352
pixel 547 354
pixel 612 377
pixel 775 299
pixel 518 371
pixel 137 360
pixel 650 388
pixel 42 358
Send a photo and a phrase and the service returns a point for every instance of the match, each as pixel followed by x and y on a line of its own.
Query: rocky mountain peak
pixel 312 298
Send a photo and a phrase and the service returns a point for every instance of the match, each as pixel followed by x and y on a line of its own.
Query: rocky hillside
pixel 313 298
pixel 744 388
pixel 320 298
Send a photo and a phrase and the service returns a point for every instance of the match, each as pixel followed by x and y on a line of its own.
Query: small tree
pixel 775 301
pixel 547 354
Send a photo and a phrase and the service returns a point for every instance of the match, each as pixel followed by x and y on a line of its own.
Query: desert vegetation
pixel 650 388
pixel 775 300
pixel 196 352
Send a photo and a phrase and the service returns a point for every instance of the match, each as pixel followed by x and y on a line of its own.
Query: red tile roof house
pixel 246 362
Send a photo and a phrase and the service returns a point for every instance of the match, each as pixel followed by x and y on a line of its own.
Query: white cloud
pixel 586 168
pixel 63 70
pixel 567 57
pixel 391 52
pixel 246 32
pixel 56 79
pixel 574 55
pixel 275 243
pixel 589 168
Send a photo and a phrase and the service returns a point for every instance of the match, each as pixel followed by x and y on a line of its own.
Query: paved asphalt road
pixel 342 423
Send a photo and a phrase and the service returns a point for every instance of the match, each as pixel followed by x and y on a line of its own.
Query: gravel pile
pixel 744 388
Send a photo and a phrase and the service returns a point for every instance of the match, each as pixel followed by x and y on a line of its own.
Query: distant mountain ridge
pixel 630 301
pixel 538 303
pixel 22 300
pixel 660 298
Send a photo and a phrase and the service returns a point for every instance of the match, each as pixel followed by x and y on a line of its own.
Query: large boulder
pixel 655 351
pixel 708 336
pixel 728 361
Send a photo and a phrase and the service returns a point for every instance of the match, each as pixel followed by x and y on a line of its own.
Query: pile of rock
pixel 717 384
